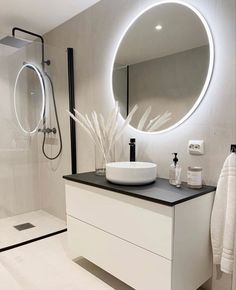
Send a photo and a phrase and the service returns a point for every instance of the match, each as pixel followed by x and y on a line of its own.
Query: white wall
pixel 94 35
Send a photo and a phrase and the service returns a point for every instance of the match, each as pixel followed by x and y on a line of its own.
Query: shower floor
pixel 31 225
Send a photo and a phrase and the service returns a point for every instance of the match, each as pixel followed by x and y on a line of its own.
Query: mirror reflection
pixel 161 65
pixel 29 98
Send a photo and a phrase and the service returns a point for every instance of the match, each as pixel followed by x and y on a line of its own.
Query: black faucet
pixel 132 150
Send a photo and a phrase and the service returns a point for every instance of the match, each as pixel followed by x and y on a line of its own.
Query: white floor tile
pixel 44 224
pixel 7 281
pixel 44 265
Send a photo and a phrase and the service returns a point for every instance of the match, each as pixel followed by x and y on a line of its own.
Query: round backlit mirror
pixel 29 98
pixel 163 63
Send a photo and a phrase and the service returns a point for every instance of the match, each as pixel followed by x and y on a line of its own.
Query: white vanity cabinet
pixel 146 244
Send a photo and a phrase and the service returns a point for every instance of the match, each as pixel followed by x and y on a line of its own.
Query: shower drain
pixel 24 226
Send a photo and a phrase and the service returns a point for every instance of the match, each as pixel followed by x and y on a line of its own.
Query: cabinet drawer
pixel 133 265
pixel 146 224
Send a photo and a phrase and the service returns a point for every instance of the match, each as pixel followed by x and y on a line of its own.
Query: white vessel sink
pixel 131 173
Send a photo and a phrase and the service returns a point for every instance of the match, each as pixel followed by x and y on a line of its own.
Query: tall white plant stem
pixel 159 122
pixel 144 118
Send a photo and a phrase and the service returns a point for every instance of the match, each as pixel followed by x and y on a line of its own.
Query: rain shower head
pixel 14 42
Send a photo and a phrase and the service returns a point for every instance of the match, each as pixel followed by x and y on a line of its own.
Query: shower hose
pixel 57 121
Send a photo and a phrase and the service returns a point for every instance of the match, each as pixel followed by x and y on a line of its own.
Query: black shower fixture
pixel 13 41
pixel 14 29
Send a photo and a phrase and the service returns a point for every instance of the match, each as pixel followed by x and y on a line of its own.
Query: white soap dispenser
pixel 175 172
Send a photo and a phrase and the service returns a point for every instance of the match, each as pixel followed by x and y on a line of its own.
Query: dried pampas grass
pixel 104 134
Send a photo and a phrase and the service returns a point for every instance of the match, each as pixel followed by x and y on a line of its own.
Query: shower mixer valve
pixel 48 130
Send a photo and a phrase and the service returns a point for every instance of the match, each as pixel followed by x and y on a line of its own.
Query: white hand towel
pixel 223 220
pixel 234 271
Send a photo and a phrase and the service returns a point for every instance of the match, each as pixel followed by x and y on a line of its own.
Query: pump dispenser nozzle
pixel 175 159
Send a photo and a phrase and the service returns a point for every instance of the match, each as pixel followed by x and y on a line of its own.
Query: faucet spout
pixel 132 149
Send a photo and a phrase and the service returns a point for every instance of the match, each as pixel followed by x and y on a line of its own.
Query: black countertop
pixel 159 191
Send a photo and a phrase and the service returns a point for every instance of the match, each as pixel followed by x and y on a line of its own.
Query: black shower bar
pixel 71 86
pixel 14 29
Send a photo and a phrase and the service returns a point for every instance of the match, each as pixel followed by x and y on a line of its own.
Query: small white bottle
pixel 175 172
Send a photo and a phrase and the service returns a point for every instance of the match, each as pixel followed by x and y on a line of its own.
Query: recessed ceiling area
pixel 39 16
